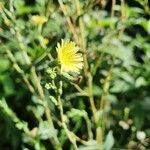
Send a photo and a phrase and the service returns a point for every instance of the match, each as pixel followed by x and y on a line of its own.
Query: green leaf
pixel 114 47
pixel 45 131
pixel 4 64
pixel 109 141
pixel 8 84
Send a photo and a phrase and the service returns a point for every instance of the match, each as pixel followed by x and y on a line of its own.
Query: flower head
pixel 38 20
pixel 46 41
pixel 68 56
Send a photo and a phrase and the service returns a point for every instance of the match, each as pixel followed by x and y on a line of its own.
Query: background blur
pixel 117 37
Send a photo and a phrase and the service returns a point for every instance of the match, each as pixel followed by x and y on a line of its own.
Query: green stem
pixel 86 67
pixel 101 128
pixel 90 92
pixel 68 133
pixel 72 29
pixel 38 86
pixel 98 63
pixel 112 13
pixel 20 71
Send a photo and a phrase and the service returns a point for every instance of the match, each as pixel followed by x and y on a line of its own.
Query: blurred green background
pixel 118 51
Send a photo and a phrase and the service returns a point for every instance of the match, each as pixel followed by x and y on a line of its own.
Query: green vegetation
pixel 104 107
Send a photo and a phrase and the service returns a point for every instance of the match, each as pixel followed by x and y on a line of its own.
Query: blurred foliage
pixel 118 54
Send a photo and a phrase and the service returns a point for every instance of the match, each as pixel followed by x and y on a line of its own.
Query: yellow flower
pixel 38 20
pixel 46 41
pixel 68 56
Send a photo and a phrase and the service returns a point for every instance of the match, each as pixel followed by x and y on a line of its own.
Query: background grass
pixel 113 36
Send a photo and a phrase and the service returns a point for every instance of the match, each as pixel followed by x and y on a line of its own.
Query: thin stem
pixel 146 6
pixel 41 94
pixel 81 141
pixel 98 63
pixel 74 135
pixel 47 10
pixel 100 129
pixel 113 8
pixel 105 88
pixel 86 67
pixel 47 110
pixel 89 128
pixel 22 47
pixel 47 15
pixel 11 6
pixel 68 133
pixel 90 92
pixel 72 29
pixel 99 137
pixel 122 18
pixel 78 88
pixel 82 39
pixel 112 13
pixel 19 70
